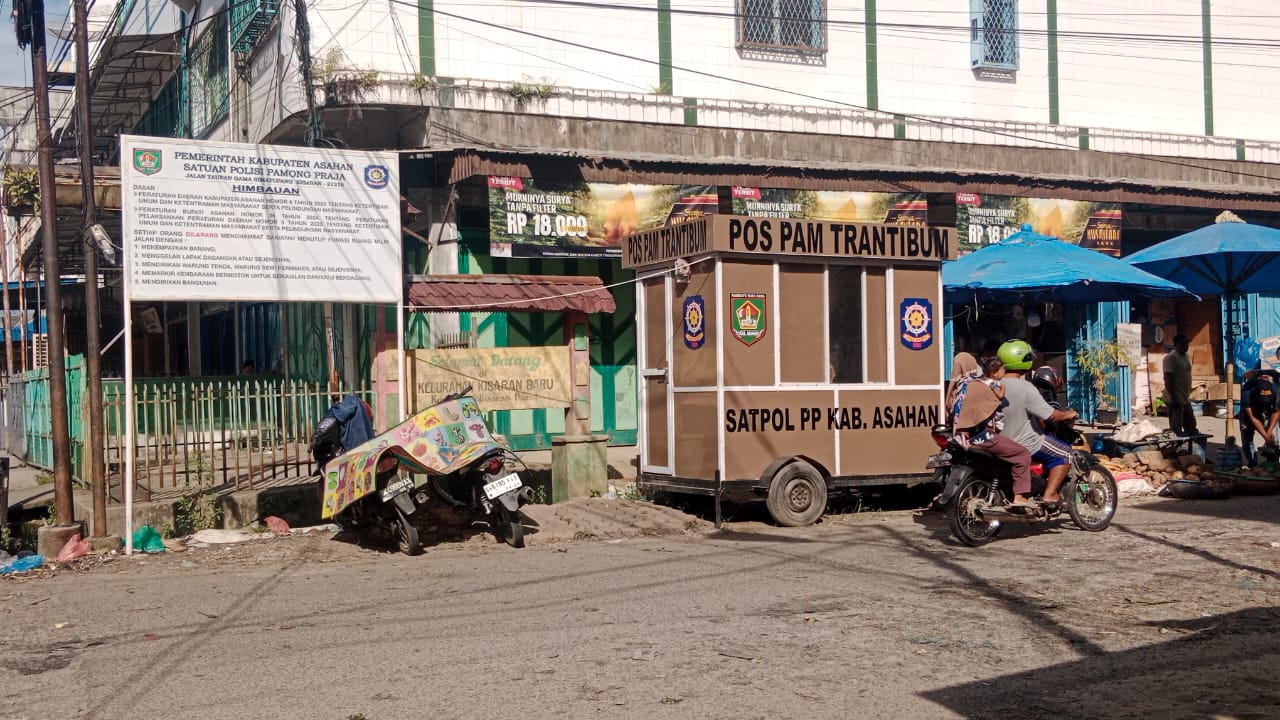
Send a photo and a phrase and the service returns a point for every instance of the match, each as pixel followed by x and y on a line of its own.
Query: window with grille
pixel 993 38
pixel 782 25
pixel 208 90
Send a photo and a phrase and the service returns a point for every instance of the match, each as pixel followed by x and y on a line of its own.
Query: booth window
pixel 845 323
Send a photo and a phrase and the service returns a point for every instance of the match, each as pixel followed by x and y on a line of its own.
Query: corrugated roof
pixel 509 293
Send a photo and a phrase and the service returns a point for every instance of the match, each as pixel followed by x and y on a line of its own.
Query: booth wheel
pixel 797 495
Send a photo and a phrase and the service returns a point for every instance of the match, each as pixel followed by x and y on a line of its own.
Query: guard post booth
pixel 786 360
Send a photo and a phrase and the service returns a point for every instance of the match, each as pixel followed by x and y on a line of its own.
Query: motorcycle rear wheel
pixel 1091 500
pixel 507 526
pixel 962 516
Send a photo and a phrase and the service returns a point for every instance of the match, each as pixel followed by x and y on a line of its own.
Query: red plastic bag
pixel 276 525
pixel 75 548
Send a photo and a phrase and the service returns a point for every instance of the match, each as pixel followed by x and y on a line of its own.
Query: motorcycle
pixel 978 486
pixel 384 484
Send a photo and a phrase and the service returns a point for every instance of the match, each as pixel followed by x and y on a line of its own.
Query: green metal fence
pixel 231 431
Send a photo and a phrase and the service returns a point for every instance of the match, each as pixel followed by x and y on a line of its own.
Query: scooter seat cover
pixel 442 439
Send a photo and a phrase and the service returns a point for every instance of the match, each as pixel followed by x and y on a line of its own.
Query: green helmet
pixel 1016 355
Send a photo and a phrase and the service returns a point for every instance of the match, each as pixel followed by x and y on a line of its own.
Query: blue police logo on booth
pixel 695 317
pixel 376 176
pixel 917 323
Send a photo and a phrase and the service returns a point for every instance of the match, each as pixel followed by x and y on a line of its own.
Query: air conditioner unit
pixel 186 5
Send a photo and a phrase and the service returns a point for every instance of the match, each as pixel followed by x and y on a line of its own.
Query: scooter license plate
pixel 938 460
pixel 502 485
pixel 395 487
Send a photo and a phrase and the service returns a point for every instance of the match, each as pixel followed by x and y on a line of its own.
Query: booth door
pixel 655 386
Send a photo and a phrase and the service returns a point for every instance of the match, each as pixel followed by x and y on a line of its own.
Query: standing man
pixel 1027 407
pixel 1177 387
pixel 1259 413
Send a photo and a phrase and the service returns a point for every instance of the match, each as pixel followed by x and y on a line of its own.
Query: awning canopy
pixel 127 72
pixel 509 293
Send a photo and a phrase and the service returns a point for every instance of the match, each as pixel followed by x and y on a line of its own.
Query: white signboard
pixel 1129 335
pixel 231 221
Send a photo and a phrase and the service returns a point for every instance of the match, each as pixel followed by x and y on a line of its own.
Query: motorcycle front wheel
pixel 407 534
pixel 962 512
pixel 1091 499
pixel 507 526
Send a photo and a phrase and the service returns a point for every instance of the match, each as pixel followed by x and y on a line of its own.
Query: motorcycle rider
pixel 1026 403
pixel 975 410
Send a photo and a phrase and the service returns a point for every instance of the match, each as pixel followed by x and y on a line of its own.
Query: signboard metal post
pixel 221 222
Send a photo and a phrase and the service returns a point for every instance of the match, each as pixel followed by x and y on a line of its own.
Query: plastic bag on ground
pixel 1133 485
pixel 276 525
pixel 148 540
pixel 75 548
pixel 1136 431
pixel 220 537
pixel 22 564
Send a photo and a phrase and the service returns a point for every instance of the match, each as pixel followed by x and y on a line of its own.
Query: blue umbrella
pixel 1222 259
pixel 1227 259
pixel 1030 266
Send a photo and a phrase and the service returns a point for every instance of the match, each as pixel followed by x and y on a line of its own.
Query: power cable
pixel 1196 40
pixel 808 96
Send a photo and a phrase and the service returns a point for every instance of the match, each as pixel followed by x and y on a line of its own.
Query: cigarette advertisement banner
pixel 986 219
pixel 831 205
pixel 499 378
pixel 544 218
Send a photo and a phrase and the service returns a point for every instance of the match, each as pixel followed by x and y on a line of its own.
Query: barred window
pixel 786 25
pixel 208 91
pixel 993 38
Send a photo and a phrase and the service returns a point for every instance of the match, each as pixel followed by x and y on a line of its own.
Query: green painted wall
pixel 614 393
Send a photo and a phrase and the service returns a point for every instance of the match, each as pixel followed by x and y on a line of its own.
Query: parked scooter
pixel 394 507
pixel 447 445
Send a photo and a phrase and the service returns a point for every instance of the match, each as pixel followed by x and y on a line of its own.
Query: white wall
pixel 1123 65
pixel 1111 79
pixel 1246 81
pixel 367 34
pixel 925 70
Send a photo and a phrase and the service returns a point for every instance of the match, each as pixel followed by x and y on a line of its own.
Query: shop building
pixel 1162 111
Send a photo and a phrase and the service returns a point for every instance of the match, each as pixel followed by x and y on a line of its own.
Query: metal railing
pixel 228 434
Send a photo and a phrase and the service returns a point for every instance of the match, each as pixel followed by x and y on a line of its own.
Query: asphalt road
pixel 1172 613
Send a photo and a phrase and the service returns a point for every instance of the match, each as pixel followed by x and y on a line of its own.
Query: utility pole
pixel 313 135
pixel 4 276
pixel 31 22
pixel 93 343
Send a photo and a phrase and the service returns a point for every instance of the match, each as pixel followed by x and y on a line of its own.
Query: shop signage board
pixel 835 205
pixel 230 221
pixel 783 239
pixel 500 378
pixel 563 219
pixel 986 219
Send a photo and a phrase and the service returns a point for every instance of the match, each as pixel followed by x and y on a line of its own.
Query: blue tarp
pixel 1028 266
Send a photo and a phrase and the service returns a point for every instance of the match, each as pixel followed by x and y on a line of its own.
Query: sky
pixel 15 64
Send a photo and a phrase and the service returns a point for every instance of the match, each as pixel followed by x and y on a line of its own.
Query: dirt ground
pixel 1171 613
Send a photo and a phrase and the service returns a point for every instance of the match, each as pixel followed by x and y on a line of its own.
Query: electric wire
pixel 889 113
